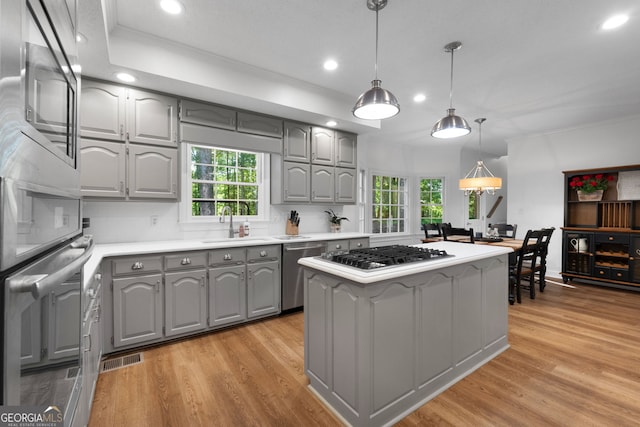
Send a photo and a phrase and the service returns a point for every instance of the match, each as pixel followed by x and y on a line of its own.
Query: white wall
pixel 536 182
pixel 415 162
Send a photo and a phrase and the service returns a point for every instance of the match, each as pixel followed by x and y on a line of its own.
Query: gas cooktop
pixel 385 256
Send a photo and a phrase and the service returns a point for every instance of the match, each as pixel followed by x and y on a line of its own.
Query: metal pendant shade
pixel 376 103
pixel 480 179
pixel 451 126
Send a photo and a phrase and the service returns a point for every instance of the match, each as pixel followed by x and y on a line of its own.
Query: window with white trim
pixel 389 204
pixel 431 200
pixel 222 177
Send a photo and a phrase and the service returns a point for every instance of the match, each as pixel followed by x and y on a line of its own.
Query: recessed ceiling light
pixel 420 97
pixel 330 65
pixel 615 22
pixel 125 77
pixel 172 7
pixel 332 123
pixel 80 38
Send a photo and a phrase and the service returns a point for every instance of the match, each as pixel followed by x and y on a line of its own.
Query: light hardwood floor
pixel 574 361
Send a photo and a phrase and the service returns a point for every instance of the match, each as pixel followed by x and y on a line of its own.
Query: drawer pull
pixel 359 245
pixel 611 237
pixel 619 274
pixel 338 246
pixel 185 261
pixel 137 266
pixel 263 253
pixel 228 257
pixel 601 272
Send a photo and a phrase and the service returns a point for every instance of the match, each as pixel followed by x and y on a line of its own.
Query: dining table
pixel 508 242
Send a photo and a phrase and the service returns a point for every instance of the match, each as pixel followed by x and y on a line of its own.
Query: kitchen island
pixel 380 343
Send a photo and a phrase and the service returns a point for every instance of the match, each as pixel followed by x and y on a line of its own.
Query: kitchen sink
pixel 291 237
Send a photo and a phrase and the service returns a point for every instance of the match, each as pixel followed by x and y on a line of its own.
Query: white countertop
pixel 463 252
pixel 135 248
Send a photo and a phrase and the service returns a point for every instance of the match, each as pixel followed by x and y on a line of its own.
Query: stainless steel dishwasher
pixel 293 273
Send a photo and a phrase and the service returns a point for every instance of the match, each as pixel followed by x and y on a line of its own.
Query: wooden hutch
pixel 601 239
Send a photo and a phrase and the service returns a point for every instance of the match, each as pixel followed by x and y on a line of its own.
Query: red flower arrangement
pixel 590 183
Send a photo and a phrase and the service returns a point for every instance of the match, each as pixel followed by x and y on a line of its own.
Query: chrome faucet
pixel 224 209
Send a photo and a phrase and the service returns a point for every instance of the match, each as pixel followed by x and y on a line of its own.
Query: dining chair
pixel 505 230
pixel 527 259
pixel 431 230
pixel 539 263
pixel 448 232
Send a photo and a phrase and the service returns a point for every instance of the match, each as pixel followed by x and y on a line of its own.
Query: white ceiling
pixel 528 66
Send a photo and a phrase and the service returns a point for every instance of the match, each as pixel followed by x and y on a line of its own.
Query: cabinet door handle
pixel 638 252
pixel 158 286
pixel 202 281
pixel 121 187
pixel 359 245
pixel 338 246
pixel 28 115
pixel 263 253
pixel 185 261
pixel 228 257
pixel 87 342
pixel 137 266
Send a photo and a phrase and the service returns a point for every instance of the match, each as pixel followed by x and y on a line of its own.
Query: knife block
pixel 291 229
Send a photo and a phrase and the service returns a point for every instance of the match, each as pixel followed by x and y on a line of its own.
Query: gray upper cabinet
pixel 259 125
pixel 103 170
pixel 117 113
pixel 153 172
pixel 346 150
pixel 322 146
pixel 207 115
pixel 346 185
pixel 102 111
pixel 296 182
pixel 322 184
pixel 297 146
pixel 152 118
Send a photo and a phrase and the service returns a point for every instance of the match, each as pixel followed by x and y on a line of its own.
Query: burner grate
pixel 385 256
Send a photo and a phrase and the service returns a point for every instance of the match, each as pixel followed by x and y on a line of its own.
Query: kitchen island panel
pixel 435 353
pixel 393 339
pixel 392 345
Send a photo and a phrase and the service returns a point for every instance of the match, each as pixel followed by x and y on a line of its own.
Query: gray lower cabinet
pixel 227 295
pixel 157 297
pixel 263 280
pixel 263 288
pixel 185 302
pixel 63 341
pixel 137 310
pixel 103 171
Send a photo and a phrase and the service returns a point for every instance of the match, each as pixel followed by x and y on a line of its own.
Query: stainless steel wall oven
pixel 42 249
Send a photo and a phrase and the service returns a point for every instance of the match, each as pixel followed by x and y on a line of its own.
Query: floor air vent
pixel 72 373
pixel 121 362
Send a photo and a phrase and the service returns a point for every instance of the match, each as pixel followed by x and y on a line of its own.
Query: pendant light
pixel 376 103
pixel 451 126
pixel 480 179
